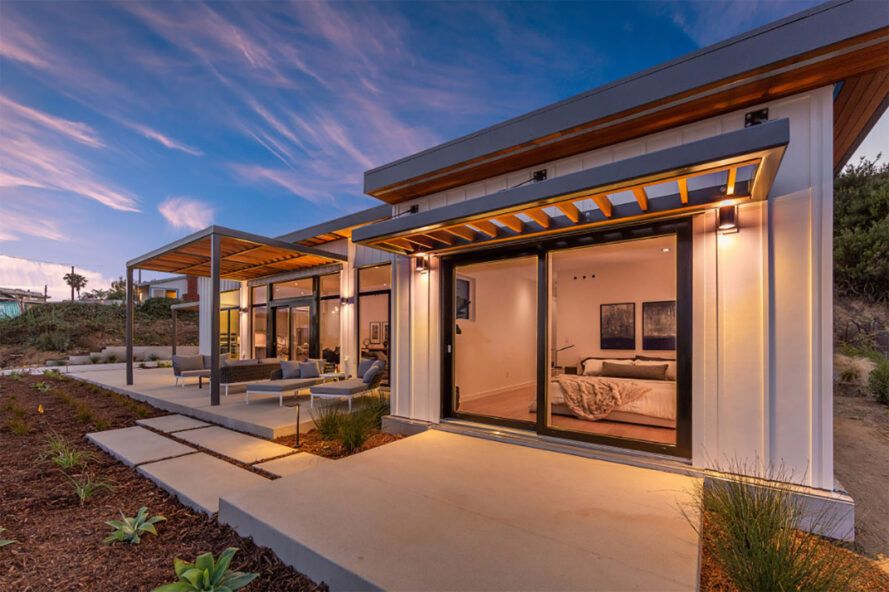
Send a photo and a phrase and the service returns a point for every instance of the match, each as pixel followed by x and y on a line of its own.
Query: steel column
pixel 129 325
pixel 215 256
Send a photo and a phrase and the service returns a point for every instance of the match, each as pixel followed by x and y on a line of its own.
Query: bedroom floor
pixel 514 405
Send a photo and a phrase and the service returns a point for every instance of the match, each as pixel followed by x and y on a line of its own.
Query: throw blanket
pixel 594 397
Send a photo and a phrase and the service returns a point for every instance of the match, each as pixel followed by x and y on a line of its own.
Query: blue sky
pixel 125 126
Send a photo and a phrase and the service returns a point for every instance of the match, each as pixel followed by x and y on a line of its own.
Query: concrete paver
pixel 240 447
pixel 172 423
pixel 199 480
pixel 137 445
pixel 290 465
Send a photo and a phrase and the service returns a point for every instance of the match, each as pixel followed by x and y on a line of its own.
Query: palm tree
pixel 76 281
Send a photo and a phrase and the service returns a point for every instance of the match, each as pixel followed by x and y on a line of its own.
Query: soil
pixel 59 540
pixel 313 443
pixel 861 465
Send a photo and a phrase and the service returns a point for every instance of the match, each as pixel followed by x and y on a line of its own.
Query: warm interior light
pixel 665 250
pixel 728 218
pixel 422 264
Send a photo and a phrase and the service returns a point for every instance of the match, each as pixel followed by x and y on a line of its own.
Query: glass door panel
pixel 282 333
pixel 300 327
pixel 495 341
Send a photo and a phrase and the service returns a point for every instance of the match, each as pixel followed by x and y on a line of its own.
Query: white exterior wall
pixel 205 340
pixel 762 321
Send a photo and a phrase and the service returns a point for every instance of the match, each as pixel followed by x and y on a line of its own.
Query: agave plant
pixel 130 530
pixel 4 542
pixel 208 575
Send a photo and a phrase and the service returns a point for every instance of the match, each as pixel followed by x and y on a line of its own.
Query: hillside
pixel 70 328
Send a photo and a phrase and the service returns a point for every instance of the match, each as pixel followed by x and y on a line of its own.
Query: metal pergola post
pixel 215 256
pixel 129 325
pixel 173 345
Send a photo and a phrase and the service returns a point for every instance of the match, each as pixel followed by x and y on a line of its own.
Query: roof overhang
pixel 338 228
pixel 730 168
pixel 243 256
pixel 827 44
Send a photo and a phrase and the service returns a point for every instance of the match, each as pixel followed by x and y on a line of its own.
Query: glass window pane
pixel 292 289
pixel 330 330
pixel 299 332
pixel 373 329
pixel 282 333
pixel 259 294
pixel 260 317
pixel 371 279
pixel 230 299
pixel 330 285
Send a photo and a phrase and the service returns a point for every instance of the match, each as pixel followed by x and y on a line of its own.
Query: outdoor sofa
pixel 370 374
pixel 230 371
pixel 289 378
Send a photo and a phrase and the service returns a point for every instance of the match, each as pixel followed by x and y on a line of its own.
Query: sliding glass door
pixel 292 329
pixel 587 337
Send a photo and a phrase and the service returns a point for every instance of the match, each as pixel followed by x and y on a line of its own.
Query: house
pixel 642 271
pixel 14 301
pixel 177 287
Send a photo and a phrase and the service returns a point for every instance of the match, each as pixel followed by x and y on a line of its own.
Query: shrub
pixel 157 308
pixel 95 358
pixel 53 341
pixel 878 383
pixel 375 408
pixel 18 426
pixel 59 452
pixel 43 387
pixel 54 375
pixel 130 530
pixel 850 375
pixel 153 357
pixel 354 430
pixel 4 542
pixel 111 358
pixel 85 486
pixel 327 421
pixel 208 574
pixel 754 534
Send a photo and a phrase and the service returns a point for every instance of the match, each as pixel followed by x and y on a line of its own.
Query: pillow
pixel 657 372
pixel 671 365
pixel 593 366
pixel 185 363
pixel 290 370
pixel 371 373
pixel 318 362
pixel 308 370
pixel 364 365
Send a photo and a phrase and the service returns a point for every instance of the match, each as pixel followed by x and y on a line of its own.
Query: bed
pixel 657 407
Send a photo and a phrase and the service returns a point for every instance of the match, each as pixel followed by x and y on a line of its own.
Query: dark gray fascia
pixel 818 27
pixel 367 216
pixel 772 134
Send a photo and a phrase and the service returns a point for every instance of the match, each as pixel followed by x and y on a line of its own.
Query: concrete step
pixel 290 465
pixel 136 445
pixel 172 423
pixel 241 447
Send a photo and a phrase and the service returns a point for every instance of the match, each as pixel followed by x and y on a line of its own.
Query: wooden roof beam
pixel 732 178
pixel 464 232
pixel 641 197
pixel 485 227
pixel 511 221
pixel 439 237
pixel 539 216
pixel 604 204
pixel 570 210
pixel 683 189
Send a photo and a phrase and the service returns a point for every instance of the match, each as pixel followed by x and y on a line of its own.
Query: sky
pixel 124 126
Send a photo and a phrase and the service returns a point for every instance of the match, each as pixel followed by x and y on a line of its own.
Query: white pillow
pixel 593 366
pixel 671 366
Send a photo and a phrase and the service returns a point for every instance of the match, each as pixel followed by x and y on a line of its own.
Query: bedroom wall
pixel 577 319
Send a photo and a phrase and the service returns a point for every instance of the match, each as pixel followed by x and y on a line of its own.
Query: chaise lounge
pixel 230 371
pixel 371 373
pixel 289 379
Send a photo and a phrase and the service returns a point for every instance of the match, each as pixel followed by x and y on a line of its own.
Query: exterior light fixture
pixel 728 219
pixel 347 300
pixel 422 264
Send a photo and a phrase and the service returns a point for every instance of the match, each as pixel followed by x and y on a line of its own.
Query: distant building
pixel 14 302
pixel 178 287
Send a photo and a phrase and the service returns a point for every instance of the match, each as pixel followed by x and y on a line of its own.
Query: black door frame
pixel 682 228
pixel 314 333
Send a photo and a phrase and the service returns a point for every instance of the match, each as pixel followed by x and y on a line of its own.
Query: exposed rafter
pixel 641 197
pixel 570 210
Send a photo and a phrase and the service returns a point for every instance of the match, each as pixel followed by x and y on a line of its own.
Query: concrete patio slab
pixel 290 465
pixel 172 423
pixel 263 418
pixel 240 447
pixel 442 511
pixel 199 480
pixel 136 445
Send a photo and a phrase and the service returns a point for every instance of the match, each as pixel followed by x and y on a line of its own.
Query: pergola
pixel 221 253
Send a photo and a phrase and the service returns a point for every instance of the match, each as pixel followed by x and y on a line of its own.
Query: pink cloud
pixel 186 212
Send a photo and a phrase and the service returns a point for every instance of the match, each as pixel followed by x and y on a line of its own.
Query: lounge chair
pixel 369 382
pixel 289 379
pixel 197 366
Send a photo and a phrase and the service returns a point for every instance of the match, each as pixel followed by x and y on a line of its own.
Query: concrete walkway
pixel 441 511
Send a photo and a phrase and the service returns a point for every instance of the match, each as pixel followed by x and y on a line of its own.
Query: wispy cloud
pixel 17 225
pixel 164 140
pixel 186 212
pixel 75 130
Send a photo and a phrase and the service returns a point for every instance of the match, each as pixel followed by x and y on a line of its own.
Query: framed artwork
pixel 617 326
pixel 386 337
pixel 659 325
pixel 376 330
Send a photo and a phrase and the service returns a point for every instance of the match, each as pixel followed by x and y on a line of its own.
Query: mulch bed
pixel 59 541
pixel 313 443
pixel 714 578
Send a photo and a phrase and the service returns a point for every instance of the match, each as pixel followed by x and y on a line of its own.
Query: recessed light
pixel 665 250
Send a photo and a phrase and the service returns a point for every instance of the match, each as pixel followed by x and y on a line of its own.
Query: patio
pixel 263 417
pixel 398 517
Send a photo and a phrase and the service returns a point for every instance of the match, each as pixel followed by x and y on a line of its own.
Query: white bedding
pixel 658 402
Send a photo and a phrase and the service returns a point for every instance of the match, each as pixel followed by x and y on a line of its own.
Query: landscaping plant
pixel 754 533
pixel 878 382
pixel 4 542
pixel 85 487
pixel 130 530
pixel 63 455
pixel 43 387
pixel 355 429
pixel 327 421
pixel 375 408
pixel 207 574
pixel 18 426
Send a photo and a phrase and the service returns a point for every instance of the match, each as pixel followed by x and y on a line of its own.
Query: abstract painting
pixel 618 326
pixel 659 325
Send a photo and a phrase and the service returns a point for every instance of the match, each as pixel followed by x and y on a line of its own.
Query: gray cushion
pixel 184 363
pixel 343 387
pixel 309 369
pixel 364 365
pixel 290 370
pixel 195 373
pixel 227 362
pixel 653 372
pixel 372 373
pixel 277 386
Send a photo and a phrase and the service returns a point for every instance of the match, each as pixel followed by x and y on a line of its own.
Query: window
pixel 330 285
pixel 259 295
pixel 329 318
pixel 465 305
pixel 292 289
pixel 374 285
pixel 259 316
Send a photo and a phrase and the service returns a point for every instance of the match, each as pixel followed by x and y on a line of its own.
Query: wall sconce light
pixel 347 300
pixel 728 219
pixel 423 264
